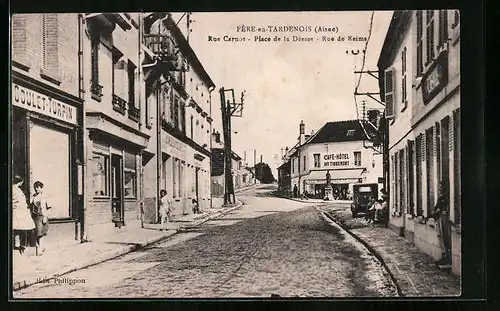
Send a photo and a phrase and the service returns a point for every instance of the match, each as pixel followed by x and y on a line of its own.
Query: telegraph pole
pixel 229 109
pixel 261 169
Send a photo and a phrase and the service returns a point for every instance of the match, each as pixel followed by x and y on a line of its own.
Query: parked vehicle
pixel 362 195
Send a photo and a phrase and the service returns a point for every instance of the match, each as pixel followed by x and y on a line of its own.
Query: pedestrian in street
pixel 441 214
pixel 196 207
pixel 295 191
pixel 22 224
pixel 165 208
pixel 370 212
pixel 40 214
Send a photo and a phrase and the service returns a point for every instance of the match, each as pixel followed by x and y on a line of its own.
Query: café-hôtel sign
pixel 43 104
pixel 338 159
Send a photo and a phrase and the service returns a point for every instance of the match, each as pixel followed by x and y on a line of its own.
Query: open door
pixel 117 210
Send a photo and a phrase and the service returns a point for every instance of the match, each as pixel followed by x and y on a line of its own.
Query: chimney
pixel 217 137
pixel 302 132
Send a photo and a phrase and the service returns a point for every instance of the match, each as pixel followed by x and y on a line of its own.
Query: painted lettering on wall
pixel 37 102
pixel 336 159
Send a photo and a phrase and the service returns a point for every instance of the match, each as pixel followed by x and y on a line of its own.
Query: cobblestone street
pixel 268 246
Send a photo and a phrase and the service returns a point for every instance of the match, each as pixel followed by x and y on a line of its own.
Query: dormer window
pixel 350 133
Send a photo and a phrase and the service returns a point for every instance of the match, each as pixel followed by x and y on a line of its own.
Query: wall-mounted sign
pixel 436 78
pixel 43 104
pixel 335 159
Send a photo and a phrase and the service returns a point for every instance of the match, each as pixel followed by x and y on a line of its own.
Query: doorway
pixel 197 185
pixel 117 210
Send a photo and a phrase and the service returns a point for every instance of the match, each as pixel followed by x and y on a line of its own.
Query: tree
pixel 263 173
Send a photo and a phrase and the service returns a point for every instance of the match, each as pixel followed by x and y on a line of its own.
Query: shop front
pixel 45 148
pixel 115 161
pixel 340 179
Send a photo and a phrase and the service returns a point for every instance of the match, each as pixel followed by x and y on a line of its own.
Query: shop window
pixel 130 175
pixel 316 160
pixel 357 158
pixel 49 154
pixel 50 43
pixel 100 174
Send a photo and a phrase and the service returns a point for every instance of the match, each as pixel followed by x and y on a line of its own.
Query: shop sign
pixel 336 159
pixel 174 147
pixel 37 102
pixel 436 78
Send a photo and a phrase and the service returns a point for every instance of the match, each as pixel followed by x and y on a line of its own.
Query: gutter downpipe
pixel 83 151
pixel 139 101
pixel 210 90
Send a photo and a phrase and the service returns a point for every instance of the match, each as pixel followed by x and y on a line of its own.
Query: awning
pixel 337 176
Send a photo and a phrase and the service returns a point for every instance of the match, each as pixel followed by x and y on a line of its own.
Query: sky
pixel 286 82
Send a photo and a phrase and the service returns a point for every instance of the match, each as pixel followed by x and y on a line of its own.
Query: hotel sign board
pixel 436 78
pixel 335 159
pixel 34 101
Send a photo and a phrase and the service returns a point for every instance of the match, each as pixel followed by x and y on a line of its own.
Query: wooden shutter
pixel 389 93
pixel 50 42
pixel 443 28
pixel 19 37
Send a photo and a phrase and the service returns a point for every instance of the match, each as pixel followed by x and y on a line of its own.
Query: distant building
pixel 420 63
pixel 342 148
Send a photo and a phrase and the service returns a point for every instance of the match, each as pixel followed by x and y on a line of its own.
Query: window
pixel 397 183
pixel 100 174
pixel 402 181
pixel 175 177
pixel 131 83
pixel 304 163
pixel 293 165
pixel 404 99
pixel 443 28
pixel 50 42
pixel 393 182
pixel 176 113
pixel 429 36
pixel 130 175
pixel 456 19
pixel 94 55
pixel 445 151
pixel 182 123
pixel 116 74
pixel 420 22
pixel 389 93
pixel 419 157
pixel 192 129
pixel 316 160
pixel 357 158
pixel 429 159
pixel 180 191
pixel 19 38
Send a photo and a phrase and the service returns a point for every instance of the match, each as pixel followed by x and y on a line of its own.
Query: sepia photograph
pixel 284 154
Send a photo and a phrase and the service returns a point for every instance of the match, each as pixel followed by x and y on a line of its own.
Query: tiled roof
pixel 342 131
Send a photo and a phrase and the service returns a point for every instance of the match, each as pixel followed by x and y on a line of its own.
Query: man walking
pixel 441 214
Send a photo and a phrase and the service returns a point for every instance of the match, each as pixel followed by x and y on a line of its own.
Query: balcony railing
pixel 133 112
pixel 119 104
pixel 161 45
pixel 95 90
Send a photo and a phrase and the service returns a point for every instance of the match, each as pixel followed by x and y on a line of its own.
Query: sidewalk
pixel 413 271
pixel 29 269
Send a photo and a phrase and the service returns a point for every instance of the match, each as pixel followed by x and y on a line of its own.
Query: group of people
pixel 165 210
pixel 377 208
pixel 30 218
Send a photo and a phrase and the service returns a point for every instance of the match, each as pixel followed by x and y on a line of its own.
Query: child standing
pixel 196 207
pixel 40 215
pixel 165 208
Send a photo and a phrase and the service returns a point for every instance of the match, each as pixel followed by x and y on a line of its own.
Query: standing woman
pixel 22 223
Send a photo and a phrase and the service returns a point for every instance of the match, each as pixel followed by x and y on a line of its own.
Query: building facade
pixel 47 113
pixel 420 63
pixel 177 89
pixel 344 150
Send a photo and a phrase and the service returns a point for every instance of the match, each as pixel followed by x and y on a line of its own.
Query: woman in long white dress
pixel 22 223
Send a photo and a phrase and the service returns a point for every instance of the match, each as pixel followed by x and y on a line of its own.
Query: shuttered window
pixel 420 43
pixel 418 171
pixel 49 28
pixel 456 166
pixel 443 28
pixel 404 99
pixel 411 184
pixel 389 93
pixel 19 38
pixel 429 159
pixel 429 36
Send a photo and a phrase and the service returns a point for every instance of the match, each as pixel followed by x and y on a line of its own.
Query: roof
pixel 187 50
pixel 285 166
pixel 344 131
pixel 397 28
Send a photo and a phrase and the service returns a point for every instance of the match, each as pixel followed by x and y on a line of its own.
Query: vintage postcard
pixel 236 155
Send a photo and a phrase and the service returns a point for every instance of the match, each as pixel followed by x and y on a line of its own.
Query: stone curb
pixel 114 253
pixel 331 220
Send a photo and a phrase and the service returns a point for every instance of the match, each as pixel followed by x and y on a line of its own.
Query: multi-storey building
pixel 115 133
pixel 177 90
pixel 47 113
pixel 420 61
pixel 344 149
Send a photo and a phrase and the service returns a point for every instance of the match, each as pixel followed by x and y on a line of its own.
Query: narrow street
pixel 268 246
